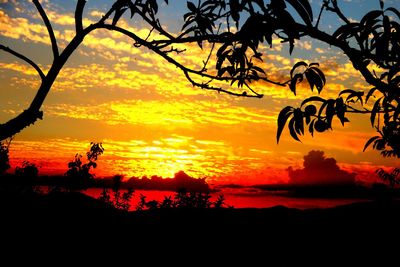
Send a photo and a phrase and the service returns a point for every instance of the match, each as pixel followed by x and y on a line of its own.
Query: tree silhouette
pixel 4 157
pixel 234 30
pixel 78 173
pixel 27 173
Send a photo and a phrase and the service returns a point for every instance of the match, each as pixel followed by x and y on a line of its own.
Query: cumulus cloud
pixel 319 170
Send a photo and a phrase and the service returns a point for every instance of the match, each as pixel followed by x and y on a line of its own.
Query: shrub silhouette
pixel 119 200
pixel 183 200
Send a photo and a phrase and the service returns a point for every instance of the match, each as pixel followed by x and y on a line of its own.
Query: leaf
pixel 277 4
pixel 235 9
pixel 304 9
pixel 311 127
pixel 154 5
pixel 330 112
pixel 372 139
pixel 394 11
pixel 343 32
pixel 320 73
pixel 191 7
pixel 314 78
pixel 299 124
pixel 295 66
pixel 292 130
pixel 258 69
pixel 131 8
pixel 370 16
pixel 311 78
pixel 313 98
pixel 353 94
pixel 370 92
pixel 347 91
pixel 392 73
pixel 282 118
pixel 375 109
pixel 118 14
pixel 296 79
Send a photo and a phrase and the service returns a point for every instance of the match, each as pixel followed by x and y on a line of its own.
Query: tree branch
pixel 206 86
pixel 354 55
pixel 24 58
pixel 17 124
pixel 107 15
pixel 80 5
pixel 337 10
pixel 142 42
pixel 49 28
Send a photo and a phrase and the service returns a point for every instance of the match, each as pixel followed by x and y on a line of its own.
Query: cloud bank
pixel 319 170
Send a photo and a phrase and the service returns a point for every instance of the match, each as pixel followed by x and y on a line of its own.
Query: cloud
pixel 319 170
pixel 180 113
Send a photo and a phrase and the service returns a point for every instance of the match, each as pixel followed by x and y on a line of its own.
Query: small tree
pixel 27 173
pixel 220 202
pixel 79 173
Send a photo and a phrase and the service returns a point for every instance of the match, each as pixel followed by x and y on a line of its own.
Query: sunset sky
pixel 150 119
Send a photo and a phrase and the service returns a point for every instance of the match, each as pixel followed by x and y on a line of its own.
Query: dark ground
pixel 73 223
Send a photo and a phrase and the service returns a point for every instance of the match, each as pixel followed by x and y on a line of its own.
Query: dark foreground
pixel 73 222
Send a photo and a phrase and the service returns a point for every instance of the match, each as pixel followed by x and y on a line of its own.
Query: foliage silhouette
pixel 392 178
pixel 78 173
pixel 119 200
pixel 26 174
pixel 183 200
pixel 372 46
pixel 4 157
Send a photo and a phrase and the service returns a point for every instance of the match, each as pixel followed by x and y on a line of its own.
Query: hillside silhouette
pixel 63 218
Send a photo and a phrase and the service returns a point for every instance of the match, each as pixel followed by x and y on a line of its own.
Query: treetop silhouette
pixel 234 30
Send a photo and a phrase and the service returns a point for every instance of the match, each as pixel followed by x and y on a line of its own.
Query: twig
pixel 49 28
pixel 80 5
pixel 24 58
pixel 173 61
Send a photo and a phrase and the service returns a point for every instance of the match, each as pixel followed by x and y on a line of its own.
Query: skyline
pixel 152 121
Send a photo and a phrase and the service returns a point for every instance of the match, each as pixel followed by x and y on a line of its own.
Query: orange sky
pixel 151 120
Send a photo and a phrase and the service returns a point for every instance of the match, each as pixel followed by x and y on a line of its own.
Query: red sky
pixel 150 120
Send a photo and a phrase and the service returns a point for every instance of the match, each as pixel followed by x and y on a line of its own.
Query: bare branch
pixel 354 55
pixel 80 5
pixel 206 86
pixel 24 58
pixel 337 10
pixel 107 15
pixel 49 28
pixel 205 63
pixel 320 14
pixel 142 42
pixel 154 24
